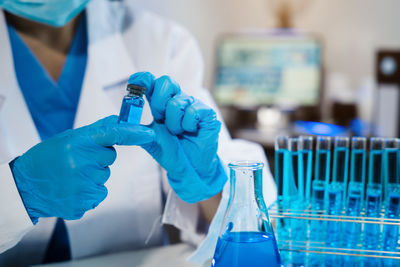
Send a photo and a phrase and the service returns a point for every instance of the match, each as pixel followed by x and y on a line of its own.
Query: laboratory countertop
pixel 174 255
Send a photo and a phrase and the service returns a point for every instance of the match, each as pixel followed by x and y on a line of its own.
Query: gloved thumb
pixel 108 132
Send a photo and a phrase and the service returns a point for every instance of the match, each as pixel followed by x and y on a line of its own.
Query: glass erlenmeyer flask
pixel 246 237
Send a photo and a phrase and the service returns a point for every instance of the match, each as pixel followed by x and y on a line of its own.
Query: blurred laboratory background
pixel 299 67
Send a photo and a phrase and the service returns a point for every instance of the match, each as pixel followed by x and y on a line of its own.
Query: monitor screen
pixel 279 70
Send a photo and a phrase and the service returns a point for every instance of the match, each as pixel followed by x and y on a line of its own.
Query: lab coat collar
pixel 17 130
pixel 109 63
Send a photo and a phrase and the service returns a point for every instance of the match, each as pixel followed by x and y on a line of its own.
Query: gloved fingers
pixel 164 89
pixel 174 112
pixel 109 132
pixel 145 79
pixel 104 156
pixel 88 199
pixel 101 194
pixel 198 115
pixel 92 197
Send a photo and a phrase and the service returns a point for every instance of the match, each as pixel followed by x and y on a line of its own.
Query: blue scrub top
pixel 52 104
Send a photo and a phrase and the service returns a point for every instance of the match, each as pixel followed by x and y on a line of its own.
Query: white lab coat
pixel 122 41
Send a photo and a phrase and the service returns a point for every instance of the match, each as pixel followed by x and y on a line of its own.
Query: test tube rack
pixel 277 212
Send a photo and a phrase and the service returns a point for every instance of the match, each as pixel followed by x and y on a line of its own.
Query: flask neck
pixel 246 209
pixel 247 188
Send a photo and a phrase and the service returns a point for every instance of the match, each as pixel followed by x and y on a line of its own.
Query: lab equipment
pixel 319 190
pixel 338 184
pixel 246 237
pixel 53 13
pixel 355 194
pixel 297 173
pixel 281 158
pixel 64 176
pixel 281 68
pixel 297 229
pixel 132 105
pixel 307 158
pixel 336 217
pixel 281 151
pixel 392 192
pixel 336 194
pixel 373 198
pixel 187 129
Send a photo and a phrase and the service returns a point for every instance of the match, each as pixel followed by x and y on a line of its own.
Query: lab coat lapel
pixel 108 68
pixel 17 130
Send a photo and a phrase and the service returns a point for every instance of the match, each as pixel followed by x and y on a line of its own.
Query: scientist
pixel 64 66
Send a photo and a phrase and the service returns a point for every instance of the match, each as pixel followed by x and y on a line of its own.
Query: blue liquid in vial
pixel 238 249
pixel 131 110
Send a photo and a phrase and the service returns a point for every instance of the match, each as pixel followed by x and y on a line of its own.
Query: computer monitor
pixel 272 69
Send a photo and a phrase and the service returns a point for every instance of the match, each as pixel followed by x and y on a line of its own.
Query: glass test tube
pixel 373 198
pixel 337 190
pixel 322 171
pixel 338 184
pixel 281 149
pixel 281 170
pixel 307 156
pixel 296 195
pixel 355 193
pixel 392 192
pixel 296 183
pixel 319 184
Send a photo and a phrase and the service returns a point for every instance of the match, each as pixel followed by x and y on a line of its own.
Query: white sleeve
pixel 187 69
pixel 14 220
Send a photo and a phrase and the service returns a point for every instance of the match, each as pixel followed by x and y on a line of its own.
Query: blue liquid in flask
pixel 239 249
pixel 246 237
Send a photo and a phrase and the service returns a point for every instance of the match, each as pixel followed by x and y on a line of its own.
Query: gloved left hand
pixel 186 138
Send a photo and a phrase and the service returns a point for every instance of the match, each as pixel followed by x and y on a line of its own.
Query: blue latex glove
pixel 186 138
pixel 64 176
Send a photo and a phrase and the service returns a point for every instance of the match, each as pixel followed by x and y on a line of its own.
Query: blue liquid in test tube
pixel 307 159
pixel 392 196
pixel 298 228
pixel 336 194
pixel 281 149
pixel 282 158
pixel 318 197
pixel 373 197
pixel 355 194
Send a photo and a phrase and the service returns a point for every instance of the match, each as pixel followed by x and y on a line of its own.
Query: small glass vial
pixel 132 105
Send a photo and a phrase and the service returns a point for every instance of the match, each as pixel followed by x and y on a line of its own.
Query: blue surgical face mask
pixel 52 12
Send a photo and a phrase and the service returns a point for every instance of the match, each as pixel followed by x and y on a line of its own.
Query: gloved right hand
pixel 64 176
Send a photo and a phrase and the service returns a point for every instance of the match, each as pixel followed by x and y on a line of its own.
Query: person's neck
pixel 49 44
pixel 56 38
